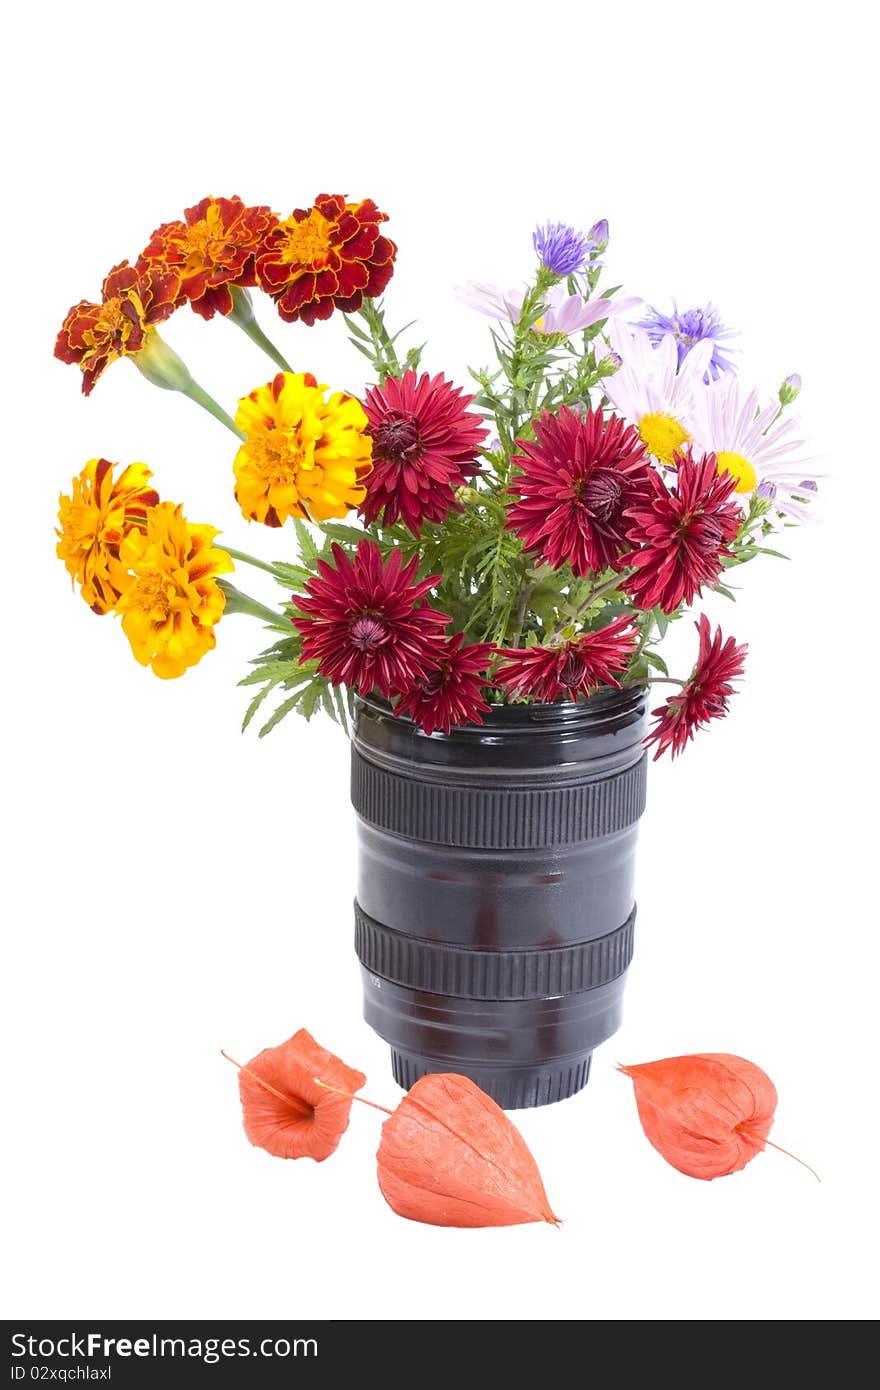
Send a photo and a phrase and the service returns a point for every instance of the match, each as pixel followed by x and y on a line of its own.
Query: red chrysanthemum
pixel 680 536
pixel 329 256
pixel 452 692
pixel 132 298
pixel 704 696
pixel 579 477
pixel 572 668
pixel 212 249
pixel 425 441
pixel 364 624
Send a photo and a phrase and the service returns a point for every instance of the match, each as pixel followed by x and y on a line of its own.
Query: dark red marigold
pixel 452 692
pixel 425 441
pixel 569 668
pixel 132 298
pixel 211 250
pixel 704 696
pixel 364 624
pixel 579 477
pixel 680 536
pixel 329 256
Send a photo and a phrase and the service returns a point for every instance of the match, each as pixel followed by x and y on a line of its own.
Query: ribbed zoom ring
pixel 468 974
pixel 497 818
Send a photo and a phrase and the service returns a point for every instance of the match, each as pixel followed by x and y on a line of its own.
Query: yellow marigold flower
pixel 303 456
pixel 94 521
pixel 173 599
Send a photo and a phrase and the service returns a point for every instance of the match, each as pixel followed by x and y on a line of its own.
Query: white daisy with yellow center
pixel 758 447
pixel 652 392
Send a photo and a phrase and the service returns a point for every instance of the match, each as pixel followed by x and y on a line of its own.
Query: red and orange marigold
pixel 329 256
pixel 211 250
pixel 132 298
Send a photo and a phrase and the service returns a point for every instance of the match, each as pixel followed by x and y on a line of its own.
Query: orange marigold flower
pixel 329 256
pixel 211 250
pixel 173 599
pixel 95 519
pixel 303 456
pixel 132 298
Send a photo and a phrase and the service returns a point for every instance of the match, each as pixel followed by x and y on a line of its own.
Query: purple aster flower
pixel 598 234
pixel 690 326
pixel 562 248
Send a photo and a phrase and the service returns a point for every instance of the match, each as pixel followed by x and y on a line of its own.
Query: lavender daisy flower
pixel 564 313
pixel 761 451
pixel 562 248
pixel 690 326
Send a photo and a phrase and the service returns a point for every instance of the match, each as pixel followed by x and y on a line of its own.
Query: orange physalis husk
pixel 708 1114
pixel 285 1109
pixel 449 1156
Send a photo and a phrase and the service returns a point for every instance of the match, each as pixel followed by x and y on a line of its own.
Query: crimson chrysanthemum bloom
pixel 572 668
pixel 329 256
pixel 452 692
pixel 211 250
pixel 132 298
pixel 703 696
pixel 681 535
pixel 365 625
pixel 579 476
pixel 425 441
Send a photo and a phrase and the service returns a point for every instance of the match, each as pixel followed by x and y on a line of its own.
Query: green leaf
pixel 337 531
pixel 276 672
pixel 290 576
pixel 356 329
pixel 255 703
pixel 655 660
pixel 311 698
pixel 367 351
pixel 279 714
pixel 307 546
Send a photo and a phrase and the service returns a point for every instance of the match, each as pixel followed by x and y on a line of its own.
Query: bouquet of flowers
pixel 529 541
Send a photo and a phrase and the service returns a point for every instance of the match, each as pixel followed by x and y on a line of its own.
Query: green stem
pixel 646 636
pixel 250 560
pixel 242 315
pixel 160 364
pixel 522 607
pixel 608 587
pixel 387 362
pixel 195 393
pixel 256 335
pixel 237 602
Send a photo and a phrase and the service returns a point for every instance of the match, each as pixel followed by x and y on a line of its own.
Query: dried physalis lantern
pixel 286 1110
pixel 708 1114
pixel 449 1156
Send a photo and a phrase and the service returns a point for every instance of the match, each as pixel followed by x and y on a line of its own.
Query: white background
pixel 175 887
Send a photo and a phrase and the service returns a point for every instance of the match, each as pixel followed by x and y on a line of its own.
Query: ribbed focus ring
pixel 496 817
pixel 467 974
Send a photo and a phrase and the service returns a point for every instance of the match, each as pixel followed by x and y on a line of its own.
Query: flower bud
pixel 608 365
pixel 598 234
pixel 790 389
